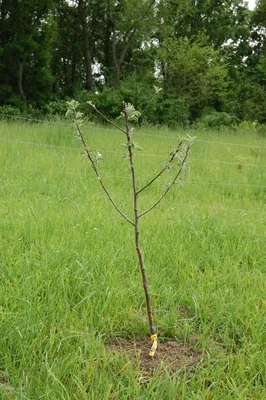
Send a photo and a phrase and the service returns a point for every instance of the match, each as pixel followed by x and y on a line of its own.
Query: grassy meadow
pixel 70 281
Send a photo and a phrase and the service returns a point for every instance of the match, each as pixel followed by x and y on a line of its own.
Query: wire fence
pixel 171 219
pixel 195 206
pixel 137 133
pixel 126 177
pixel 202 160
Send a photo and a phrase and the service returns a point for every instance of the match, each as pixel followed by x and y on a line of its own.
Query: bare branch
pixel 164 168
pixel 108 120
pixel 98 176
pixel 170 186
pixel 148 104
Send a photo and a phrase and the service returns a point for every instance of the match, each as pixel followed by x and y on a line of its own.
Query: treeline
pixel 208 56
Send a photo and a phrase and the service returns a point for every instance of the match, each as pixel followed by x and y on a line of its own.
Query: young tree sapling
pixel 178 157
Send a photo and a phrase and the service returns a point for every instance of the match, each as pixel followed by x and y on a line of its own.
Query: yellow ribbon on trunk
pixel 154 344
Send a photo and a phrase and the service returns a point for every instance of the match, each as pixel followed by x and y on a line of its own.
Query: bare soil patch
pixel 175 356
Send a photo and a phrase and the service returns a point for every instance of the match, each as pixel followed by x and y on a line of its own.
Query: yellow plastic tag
pixel 154 344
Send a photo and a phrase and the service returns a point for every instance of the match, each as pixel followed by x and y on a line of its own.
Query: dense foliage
pixel 208 56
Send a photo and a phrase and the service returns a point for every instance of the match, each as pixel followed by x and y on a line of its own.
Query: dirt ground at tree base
pixel 172 355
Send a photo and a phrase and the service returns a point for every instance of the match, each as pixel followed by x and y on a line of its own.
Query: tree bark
pixel 83 10
pixel 116 64
pixel 20 81
pixel 108 44
pixel 136 227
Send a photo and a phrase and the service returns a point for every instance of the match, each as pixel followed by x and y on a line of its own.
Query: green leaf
pixel 157 89
pixel 91 104
pixel 120 117
pixel 72 105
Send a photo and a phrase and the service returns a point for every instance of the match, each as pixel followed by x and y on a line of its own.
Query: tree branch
pixel 126 46
pixel 170 186
pixel 98 175
pixel 164 168
pixel 148 104
pixel 108 120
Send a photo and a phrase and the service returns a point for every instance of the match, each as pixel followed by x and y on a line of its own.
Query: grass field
pixel 69 278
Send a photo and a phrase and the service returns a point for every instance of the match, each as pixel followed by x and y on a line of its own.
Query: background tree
pixel 26 38
pixel 130 25
pixel 67 54
pixel 195 73
pixel 209 56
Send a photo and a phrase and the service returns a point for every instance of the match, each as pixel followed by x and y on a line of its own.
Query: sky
pixel 251 4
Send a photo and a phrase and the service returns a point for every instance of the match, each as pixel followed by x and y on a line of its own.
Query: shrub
pixel 217 120
pixel 9 111
pixel 57 107
pixel 171 111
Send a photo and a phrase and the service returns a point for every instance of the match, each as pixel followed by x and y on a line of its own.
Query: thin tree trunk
pixel 20 71
pixel 20 81
pixel 83 8
pixel 116 78
pixel 142 267
pixel 136 227
pixel 116 66
pixel 87 58
pixel 107 44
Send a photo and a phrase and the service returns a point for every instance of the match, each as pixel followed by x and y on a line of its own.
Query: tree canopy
pixel 209 56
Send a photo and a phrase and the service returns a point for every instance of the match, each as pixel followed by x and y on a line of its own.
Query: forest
pixel 207 56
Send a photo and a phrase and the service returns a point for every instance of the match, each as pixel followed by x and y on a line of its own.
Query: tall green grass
pixel 70 281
